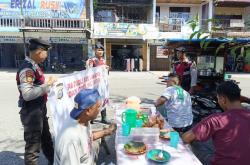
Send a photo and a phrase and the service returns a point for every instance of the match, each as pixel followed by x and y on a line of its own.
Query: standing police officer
pixel 98 60
pixel 32 101
pixel 182 68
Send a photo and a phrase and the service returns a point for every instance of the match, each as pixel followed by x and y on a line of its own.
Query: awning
pixel 240 40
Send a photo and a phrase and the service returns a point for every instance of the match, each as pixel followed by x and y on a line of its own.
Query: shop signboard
pixel 69 40
pixel 69 9
pixel 124 30
pixel 11 39
pixel 159 52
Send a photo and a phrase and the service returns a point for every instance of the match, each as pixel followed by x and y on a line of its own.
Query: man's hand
pixel 51 80
pixel 188 136
pixel 108 131
pixel 112 128
pixel 160 101
pixel 107 67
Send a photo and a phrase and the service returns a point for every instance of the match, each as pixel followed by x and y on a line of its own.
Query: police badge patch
pixel 29 76
pixel 59 88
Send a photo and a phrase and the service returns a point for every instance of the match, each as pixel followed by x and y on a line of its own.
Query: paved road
pixel 145 85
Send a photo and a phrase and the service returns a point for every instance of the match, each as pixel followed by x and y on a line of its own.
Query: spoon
pixel 160 155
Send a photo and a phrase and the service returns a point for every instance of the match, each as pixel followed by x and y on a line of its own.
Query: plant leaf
pixel 206 44
pixel 233 50
pixel 222 46
pixel 193 26
pixel 199 34
pixel 216 28
pixel 193 34
pixel 203 40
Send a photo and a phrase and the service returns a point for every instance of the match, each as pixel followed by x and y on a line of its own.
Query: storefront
pixel 119 51
pixel 68 50
pixel 125 40
pixel 11 51
pixel 71 51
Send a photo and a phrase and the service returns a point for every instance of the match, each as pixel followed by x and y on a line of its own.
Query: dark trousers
pixel 204 151
pixel 36 134
pixel 186 82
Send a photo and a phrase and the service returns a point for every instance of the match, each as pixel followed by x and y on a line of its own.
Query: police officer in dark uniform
pixel 32 101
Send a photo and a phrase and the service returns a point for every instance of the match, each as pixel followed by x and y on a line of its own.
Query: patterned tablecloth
pixel 180 156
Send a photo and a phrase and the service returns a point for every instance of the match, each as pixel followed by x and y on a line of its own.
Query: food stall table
pixel 181 155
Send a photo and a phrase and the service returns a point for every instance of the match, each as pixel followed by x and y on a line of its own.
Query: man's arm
pixel 188 136
pixel 160 101
pixel 105 132
pixel 203 130
pixel 193 73
pixel 245 99
pixel 29 91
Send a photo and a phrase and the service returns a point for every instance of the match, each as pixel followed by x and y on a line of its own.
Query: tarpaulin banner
pixel 61 96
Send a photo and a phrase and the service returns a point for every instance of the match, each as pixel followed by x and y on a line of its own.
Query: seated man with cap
pixel 74 145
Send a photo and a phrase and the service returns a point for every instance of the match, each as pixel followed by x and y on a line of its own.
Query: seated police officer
pixel 32 101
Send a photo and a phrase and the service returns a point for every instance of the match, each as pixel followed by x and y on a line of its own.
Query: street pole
pixel 23 26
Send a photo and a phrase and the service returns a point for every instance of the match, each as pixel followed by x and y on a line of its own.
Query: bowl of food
pixel 135 148
pixel 154 155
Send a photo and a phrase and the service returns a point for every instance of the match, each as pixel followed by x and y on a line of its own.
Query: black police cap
pixel 181 49
pixel 99 46
pixel 36 43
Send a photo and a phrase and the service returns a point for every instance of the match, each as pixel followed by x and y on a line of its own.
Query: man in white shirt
pixel 177 104
pixel 73 145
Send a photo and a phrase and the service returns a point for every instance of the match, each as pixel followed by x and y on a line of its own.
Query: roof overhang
pixel 233 3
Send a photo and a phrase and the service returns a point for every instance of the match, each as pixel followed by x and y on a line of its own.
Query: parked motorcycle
pixel 203 106
pixel 58 67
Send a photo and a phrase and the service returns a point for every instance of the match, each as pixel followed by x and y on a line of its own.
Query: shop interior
pixel 119 54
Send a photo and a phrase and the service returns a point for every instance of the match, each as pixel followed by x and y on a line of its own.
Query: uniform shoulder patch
pixel 29 76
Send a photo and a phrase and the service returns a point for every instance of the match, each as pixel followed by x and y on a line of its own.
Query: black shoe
pixel 92 122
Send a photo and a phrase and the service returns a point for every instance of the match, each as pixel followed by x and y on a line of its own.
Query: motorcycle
pixel 58 67
pixel 203 106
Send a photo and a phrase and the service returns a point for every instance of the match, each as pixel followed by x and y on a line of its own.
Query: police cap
pixel 36 43
pixel 99 46
pixel 181 49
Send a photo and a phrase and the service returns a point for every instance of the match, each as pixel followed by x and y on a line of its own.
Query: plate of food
pixel 135 148
pixel 165 134
pixel 154 156
pixel 155 122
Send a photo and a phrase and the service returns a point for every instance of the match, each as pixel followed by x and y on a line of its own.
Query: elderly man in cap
pixel 32 100
pixel 74 144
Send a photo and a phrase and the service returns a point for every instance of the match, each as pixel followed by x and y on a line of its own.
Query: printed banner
pixel 61 96
pixel 126 30
pixel 74 9
pixel 160 52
